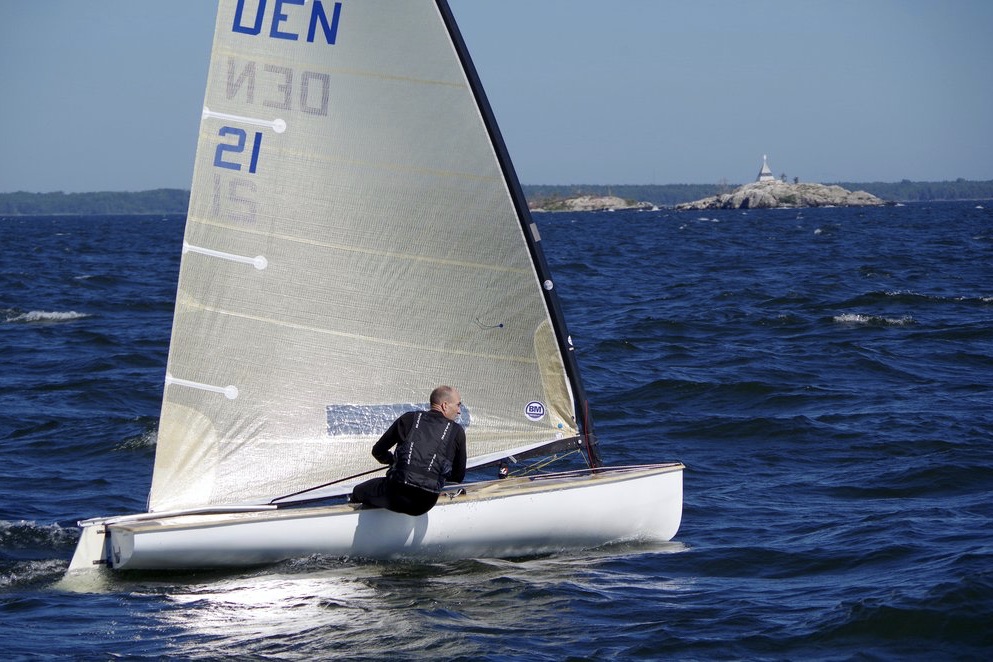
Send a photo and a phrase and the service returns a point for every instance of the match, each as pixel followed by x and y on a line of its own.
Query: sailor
pixel 430 449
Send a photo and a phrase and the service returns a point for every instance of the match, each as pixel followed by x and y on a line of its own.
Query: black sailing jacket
pixel 429 449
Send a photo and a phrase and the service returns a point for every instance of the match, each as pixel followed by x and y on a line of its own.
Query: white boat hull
pixel 512 517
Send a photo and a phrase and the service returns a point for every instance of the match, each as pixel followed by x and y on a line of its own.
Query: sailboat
pixel 356 236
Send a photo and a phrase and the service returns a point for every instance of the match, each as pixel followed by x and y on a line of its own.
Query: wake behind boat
pixel 356 235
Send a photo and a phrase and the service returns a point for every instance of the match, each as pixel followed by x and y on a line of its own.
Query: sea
pixel 824 374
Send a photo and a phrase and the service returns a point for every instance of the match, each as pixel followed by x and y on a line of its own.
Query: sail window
pixel 351 420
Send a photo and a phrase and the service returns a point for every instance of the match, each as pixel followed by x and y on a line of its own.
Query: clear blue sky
pixel 586 91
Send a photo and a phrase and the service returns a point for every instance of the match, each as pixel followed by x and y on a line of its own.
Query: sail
pixel 355 238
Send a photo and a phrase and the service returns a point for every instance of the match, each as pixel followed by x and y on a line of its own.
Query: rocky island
pixel 589 203
pixel 767 192
pixel 774 194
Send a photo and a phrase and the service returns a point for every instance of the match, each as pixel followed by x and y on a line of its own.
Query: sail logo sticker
pixel 534 410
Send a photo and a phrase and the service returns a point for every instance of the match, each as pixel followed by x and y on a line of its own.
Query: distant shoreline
pixel 176 201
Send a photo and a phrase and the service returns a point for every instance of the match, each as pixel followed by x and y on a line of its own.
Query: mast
pixel 531 237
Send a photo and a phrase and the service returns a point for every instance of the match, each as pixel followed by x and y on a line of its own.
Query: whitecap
pixel 42 316
pixel 21 533
pixel 27 572
pixel 852 318
pixel 877 320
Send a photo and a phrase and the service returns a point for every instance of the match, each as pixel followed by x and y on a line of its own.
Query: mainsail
pixel 356 236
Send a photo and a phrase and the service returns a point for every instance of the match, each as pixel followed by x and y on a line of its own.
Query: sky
pixel 105 95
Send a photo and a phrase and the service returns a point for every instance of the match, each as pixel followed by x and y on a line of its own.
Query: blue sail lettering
pixel 259 16
pixel 235 150
pixel 330 31
pixel 279 17
pixel 282 16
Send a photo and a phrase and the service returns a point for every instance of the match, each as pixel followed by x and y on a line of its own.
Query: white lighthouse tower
pixel 765 174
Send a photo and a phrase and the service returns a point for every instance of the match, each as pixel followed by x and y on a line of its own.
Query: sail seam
pixel 356 336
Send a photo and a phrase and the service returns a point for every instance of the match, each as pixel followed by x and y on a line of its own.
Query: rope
pixel 541 463
pixel 333 482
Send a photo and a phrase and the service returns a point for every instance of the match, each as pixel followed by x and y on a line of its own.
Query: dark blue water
pixel 825 375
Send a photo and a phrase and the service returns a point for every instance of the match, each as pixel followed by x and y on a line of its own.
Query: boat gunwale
pixel 481 491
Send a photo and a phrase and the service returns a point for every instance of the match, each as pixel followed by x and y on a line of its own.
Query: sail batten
pixel 386 255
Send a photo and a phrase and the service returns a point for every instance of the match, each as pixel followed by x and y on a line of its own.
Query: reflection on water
pixel 320 607
pixel 248 613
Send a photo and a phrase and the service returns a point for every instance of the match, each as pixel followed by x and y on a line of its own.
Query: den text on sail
pixel 286 19
pixel 290 20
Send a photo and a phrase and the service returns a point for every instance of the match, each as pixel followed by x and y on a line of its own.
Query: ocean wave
pixel 911 297
pixel 97 279
pixel 32 553
pixel 953 611
pixel 23 573
pixel 858 319
pixel 147 439
pixel 938 477
pixel 41 316
pixel 23 534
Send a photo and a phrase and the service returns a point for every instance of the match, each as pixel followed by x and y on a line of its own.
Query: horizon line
pixel 574 185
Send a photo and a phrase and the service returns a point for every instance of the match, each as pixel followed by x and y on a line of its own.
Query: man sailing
pixel 430 449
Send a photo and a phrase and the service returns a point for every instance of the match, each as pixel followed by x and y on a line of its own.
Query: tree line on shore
pixel 159 201
pixel 175 201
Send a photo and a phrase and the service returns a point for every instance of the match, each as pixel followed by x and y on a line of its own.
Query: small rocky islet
pixel 766 192
pixel 777 194
pixel 590 203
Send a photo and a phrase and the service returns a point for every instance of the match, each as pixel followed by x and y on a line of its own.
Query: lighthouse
pixel 765 174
